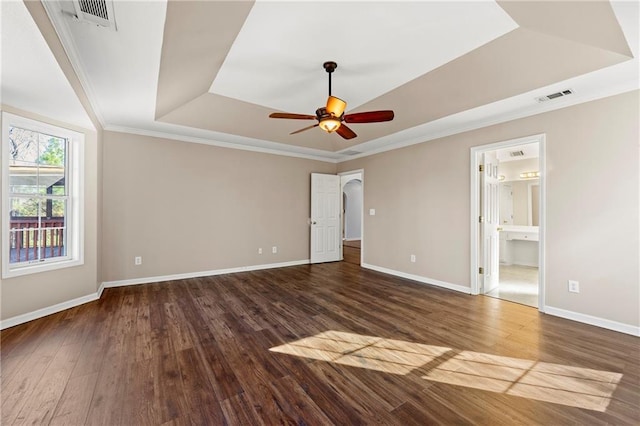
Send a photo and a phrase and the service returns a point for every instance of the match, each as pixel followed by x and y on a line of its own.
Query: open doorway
pixel 352 207
pixel 519 182
pixel 508 212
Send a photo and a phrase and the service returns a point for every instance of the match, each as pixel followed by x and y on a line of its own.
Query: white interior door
pixel 325 218
pixel 506 204
pixel 490 207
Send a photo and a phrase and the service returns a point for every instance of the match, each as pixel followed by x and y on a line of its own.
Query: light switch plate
pixel 573 286
pixel 372 212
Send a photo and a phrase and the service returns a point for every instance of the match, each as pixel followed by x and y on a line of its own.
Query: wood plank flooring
pixel 351 252
pixel 313 345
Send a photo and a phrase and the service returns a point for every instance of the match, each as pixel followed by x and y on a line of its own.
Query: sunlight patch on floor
pixel 373 353
pixel 556 383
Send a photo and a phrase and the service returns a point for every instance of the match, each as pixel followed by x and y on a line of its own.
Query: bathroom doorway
pixel 510 208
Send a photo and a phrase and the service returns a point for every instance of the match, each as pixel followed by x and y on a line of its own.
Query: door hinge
pixel 481 270
pixel 480 219
pixel 481 168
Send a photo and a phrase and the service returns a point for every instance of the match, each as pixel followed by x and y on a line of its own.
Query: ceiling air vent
pixel 555 95
pixel 516 153
pixel 98 12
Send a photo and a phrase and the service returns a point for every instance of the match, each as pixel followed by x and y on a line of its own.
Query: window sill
pixel 41 267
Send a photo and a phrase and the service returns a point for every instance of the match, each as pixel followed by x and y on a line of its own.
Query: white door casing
pixel 325 218
pixel 490 207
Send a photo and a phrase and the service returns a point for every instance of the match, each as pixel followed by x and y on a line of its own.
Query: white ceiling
pixel 31 78
pixel 405 41
pixel 276 63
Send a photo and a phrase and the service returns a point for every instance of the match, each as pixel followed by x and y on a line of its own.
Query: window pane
pixel 23 161
pixel 24 233
pixel 23 147
pixel 37 229
pixel 51 151
pixel 37 163
pixel 53 229
pixel 52 162
pixel 51 180
pixel 23 179
pixel 25 208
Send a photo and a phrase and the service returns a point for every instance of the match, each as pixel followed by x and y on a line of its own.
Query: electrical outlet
pixel 274 249
pixel 574 286
pixel 413 258
pixel 260 250
pixel 372 212
pixel 137 260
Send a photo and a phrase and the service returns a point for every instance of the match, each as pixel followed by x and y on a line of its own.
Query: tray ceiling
pixel 211 72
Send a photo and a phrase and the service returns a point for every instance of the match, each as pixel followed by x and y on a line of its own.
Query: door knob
pixel 313 222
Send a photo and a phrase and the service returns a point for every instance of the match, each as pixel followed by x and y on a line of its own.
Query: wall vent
pixel 555 95
pixel 516 153
pixel 97 12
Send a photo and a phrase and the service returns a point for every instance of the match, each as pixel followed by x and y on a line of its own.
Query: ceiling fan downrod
pixel 330 67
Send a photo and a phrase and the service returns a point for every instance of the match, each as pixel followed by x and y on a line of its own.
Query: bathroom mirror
pixel 519 202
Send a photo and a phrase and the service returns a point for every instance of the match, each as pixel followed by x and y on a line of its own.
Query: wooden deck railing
pixel 28 242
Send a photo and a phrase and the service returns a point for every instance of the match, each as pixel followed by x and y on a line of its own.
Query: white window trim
pixel 75 212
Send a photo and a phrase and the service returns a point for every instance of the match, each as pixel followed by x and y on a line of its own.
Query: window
pixel 41 196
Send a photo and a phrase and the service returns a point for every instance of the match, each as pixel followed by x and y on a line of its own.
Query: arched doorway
pixel 352 205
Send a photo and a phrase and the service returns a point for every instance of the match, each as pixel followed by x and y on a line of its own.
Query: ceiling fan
pixel 331 118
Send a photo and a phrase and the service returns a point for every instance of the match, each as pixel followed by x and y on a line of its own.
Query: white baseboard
pixel 100 290
pixel 591 320
pixel 419 278
pixel 147 280
pixel 20 319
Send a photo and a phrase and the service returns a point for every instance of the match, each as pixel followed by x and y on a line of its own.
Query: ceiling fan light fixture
pixel 330 124
pixel 336 106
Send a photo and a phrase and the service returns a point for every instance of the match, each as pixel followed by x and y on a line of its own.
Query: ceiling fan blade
pixel 369 117
pixel 346 132
pixel 302 130
pixel 336 106
pixel 292 116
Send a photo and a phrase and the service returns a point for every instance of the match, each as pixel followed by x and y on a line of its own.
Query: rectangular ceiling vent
pixel 351 152
pixel 97 12
pixel 555 95
pixel 516 153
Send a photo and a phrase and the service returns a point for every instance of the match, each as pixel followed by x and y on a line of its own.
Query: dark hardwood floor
pixel 351 252
pixel 315 345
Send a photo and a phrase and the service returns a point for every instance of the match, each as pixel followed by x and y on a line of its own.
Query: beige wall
pixel 188 207
pixel 421 197
pixel 25 294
